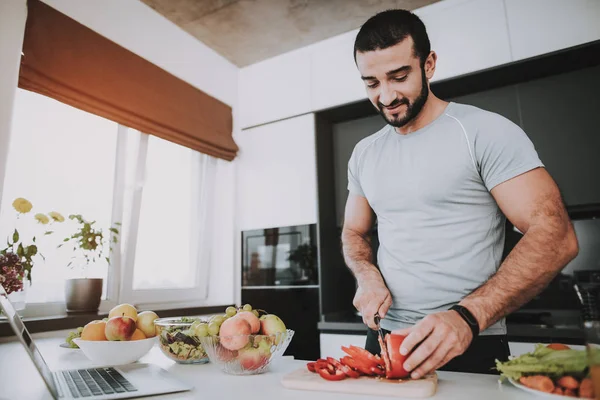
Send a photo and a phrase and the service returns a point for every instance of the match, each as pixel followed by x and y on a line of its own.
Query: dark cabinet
pixel 299 310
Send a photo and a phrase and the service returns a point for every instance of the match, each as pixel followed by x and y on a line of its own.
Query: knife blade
pixel 378 323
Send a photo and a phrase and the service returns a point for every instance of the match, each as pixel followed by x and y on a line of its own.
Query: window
pixel 61 159
pixel 66 160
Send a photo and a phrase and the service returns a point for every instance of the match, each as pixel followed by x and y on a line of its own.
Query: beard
pixel 412 108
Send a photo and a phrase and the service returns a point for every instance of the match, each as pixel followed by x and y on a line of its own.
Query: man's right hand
pixel 372 296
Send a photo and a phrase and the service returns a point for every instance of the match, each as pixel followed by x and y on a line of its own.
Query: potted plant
pixel 90 244
pixel 21 252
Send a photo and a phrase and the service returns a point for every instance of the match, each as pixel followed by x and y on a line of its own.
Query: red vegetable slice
pixel 336 376
pixel 378 371
pixel 396 368
pixel 357 365
pixel 311 366
pixel 361 355
pixel 334 362
pixel 350 372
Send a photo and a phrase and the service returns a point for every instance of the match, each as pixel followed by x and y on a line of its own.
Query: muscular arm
pixel 533 204
pixel 356 244
pixel 372 295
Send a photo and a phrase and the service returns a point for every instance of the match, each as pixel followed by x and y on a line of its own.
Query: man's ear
pixel 430 65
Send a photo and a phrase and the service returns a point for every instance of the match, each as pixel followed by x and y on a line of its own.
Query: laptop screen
pixel 25 338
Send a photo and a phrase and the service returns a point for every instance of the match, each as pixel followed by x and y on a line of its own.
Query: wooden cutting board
pixel 302 379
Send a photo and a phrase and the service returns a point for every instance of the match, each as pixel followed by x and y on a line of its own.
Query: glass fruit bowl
pixel 255 354
pixel 179 339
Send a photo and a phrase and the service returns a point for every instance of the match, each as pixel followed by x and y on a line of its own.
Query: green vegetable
pixel 545 361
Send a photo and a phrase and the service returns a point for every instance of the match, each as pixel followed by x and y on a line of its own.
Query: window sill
pixel 60 322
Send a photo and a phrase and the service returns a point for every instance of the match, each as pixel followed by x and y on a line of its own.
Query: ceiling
pixel 248 31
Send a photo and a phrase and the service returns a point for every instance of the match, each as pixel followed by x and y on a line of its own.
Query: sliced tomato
pixel 396 368
pixel 311 366
pixel 336 376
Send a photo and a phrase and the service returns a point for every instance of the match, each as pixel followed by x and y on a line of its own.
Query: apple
pixel 271 324
pixel 123 310
pixel 234 333
pixel 252 359
pixel 120 328
pixel 252 320
pixel 145 323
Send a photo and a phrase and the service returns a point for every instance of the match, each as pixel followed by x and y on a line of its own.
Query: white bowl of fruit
pixel 122 338
pixel 244 342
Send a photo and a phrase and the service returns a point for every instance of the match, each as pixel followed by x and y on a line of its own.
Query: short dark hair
pixel 388 28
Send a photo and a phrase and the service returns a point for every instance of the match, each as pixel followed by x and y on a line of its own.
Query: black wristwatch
pixel 468 317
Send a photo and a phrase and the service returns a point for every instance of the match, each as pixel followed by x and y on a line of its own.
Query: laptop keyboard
pixel 96 382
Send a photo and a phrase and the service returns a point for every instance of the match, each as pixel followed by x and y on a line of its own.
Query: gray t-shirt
pixel 441 232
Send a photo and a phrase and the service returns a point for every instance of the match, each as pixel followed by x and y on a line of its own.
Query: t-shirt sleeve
pixel 503 151
pixel 354 185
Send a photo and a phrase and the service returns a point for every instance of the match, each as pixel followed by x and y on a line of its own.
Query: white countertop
pixel 19 378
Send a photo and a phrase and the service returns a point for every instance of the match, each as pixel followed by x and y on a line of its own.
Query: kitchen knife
pixel 377 322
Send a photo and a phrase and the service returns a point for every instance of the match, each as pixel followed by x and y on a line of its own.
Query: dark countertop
pixel 523 326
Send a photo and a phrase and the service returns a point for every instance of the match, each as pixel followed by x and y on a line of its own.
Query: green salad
pixel 180 342
pixel 545 361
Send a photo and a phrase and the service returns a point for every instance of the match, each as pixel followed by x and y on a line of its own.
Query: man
pixel 440 179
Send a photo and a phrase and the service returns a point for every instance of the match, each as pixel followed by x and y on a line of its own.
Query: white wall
pixel 138 28
pixel 467 35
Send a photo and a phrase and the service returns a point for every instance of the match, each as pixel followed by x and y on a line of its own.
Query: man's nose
pixel 387 95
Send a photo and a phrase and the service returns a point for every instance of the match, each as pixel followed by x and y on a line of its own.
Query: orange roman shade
pixel 69 62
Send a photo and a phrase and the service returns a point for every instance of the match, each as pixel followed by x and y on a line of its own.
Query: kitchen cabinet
pixel 275 88
pixel 466 35
pixel 335 79
pixel 331 344
pixel 276 174
pixel 299 310
pixel 542 26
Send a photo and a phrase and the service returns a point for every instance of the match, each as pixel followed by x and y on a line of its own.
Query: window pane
pixel 163 252
pixel 61 159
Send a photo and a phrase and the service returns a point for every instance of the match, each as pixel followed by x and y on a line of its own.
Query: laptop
pixel 110 382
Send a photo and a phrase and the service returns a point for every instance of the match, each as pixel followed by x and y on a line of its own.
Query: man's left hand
pixel 444 336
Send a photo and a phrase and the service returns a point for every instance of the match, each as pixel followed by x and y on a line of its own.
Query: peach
pixel 252 320
pixel 123 310
pixel 234 333
pixel 94 331
pixel 251 359
pixel 120 328
pixel 138 335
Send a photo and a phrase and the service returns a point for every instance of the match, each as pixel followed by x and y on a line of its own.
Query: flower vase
pixel 19 298
pixel 83 295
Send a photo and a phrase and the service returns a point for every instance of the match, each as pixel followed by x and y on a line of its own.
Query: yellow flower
pixel 56 216
pixel 42 218
pixel 22 205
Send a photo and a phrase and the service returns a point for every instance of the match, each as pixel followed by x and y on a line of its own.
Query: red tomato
pixel 336 376
pixel 396 367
